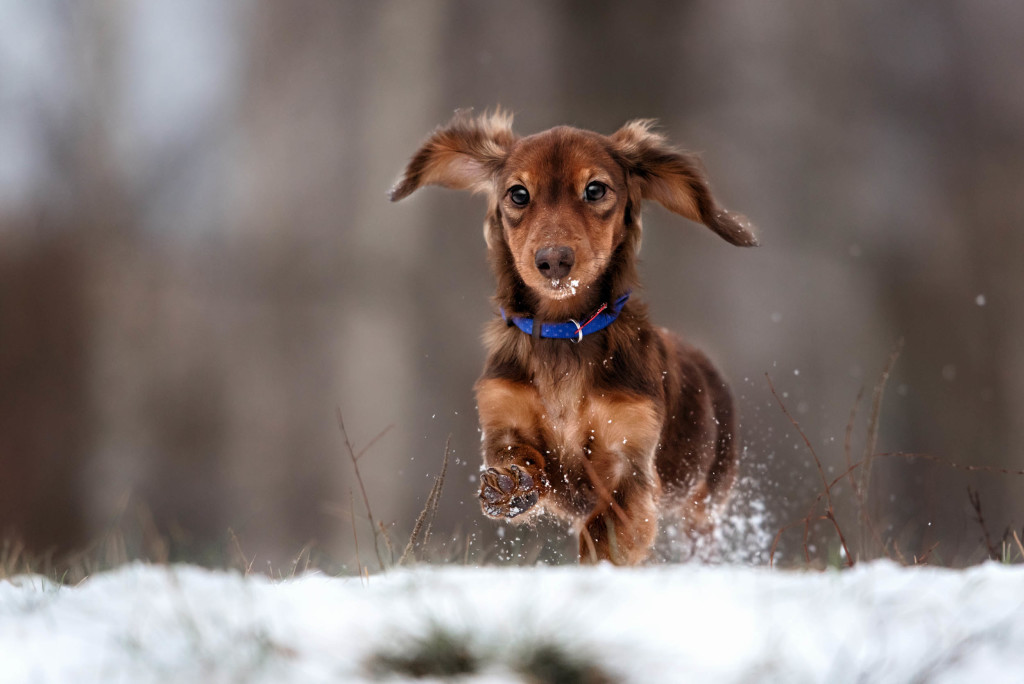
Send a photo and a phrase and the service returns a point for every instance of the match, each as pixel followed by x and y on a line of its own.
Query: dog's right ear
pixel 463 155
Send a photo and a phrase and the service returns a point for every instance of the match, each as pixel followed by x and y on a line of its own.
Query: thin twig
pixel 847 454
pixel 374 441
pixel 974 496
pixel 899 554
pixel 848 445
pixel 355 534
pixel 951 464
pixel 830 511
pixel 362 488
pixel 926 555
pixel 778 538
pixel 908 455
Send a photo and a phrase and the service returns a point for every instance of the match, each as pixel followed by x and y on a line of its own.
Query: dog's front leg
pixel 513 479
pixel 623 526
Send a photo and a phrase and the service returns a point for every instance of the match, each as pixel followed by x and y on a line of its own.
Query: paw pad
pixel 507 492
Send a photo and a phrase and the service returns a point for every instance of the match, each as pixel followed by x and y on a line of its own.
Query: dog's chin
pixel 561 289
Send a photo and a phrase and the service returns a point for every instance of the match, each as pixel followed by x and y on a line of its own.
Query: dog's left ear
pixel 675 180
pixel 463 154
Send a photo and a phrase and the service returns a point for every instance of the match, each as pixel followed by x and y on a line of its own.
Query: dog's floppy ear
pixel 675 180
pixel 463 154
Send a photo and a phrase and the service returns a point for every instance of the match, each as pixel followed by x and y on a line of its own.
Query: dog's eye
pixel 595 191
pixel 519 195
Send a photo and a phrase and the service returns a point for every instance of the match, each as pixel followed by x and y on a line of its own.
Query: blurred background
pixel 199 265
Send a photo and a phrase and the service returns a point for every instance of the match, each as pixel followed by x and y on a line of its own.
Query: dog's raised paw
pixel 507 491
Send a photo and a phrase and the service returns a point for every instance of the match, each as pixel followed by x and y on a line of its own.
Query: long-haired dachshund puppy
pixel 588 412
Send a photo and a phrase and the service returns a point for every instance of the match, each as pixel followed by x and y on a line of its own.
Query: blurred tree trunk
pixel 329 257
pixel 45 409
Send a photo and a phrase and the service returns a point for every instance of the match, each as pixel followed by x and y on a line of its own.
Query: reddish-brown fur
pixel 629 424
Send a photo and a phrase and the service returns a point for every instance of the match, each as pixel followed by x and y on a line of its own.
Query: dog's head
pixel 564 201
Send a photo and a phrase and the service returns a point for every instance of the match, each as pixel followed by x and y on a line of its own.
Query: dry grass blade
pixel 12 558
pixel 429 509
pixel 244 561
pixel 1016 538
pixel 157 548
pixel 605 497
pixel 435 492
pixel 304 551
pixel 872 435
pixel 590 545
pixel 387 542
pixel 416 529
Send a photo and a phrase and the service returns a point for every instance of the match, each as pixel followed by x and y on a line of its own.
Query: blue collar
pixel 570 330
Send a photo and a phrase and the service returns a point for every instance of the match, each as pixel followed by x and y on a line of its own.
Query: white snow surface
pixel 877 622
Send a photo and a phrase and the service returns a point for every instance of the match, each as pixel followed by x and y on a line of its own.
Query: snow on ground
pixel 877 622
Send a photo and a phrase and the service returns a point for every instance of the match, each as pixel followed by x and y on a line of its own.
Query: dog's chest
pixel 567 410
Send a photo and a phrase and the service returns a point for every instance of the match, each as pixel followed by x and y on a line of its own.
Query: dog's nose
pixel 555 262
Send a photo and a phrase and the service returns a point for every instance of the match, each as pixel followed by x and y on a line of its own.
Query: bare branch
pixel 362 488
pixel 374 441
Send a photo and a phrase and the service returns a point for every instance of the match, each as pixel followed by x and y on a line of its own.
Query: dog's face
pixel 563 201
pixel 561 198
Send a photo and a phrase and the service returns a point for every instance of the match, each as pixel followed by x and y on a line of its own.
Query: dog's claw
pixel 525 481
pixel 506 493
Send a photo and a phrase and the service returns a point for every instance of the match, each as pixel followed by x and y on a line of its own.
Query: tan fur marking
pixel 504 404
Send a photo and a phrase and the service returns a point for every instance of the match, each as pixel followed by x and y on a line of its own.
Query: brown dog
pixel 588 412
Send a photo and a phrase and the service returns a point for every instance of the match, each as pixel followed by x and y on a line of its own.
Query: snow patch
pixel 877 622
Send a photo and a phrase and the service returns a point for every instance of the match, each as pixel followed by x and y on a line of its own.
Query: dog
pixel 587 411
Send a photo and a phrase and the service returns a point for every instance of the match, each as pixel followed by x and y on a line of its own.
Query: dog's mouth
pixel 563 288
